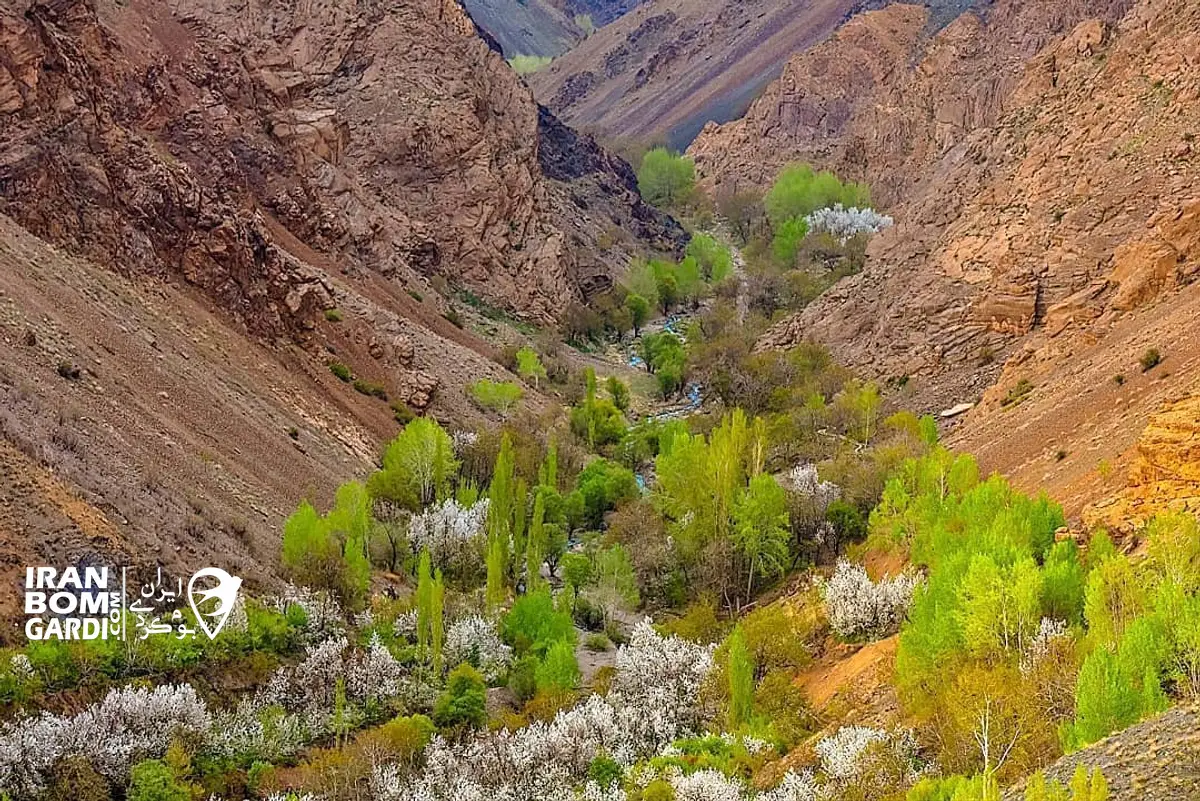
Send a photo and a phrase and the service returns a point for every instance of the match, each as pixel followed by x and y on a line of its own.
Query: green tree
pixel 463 704
pixel 616 584
pixel 666 178
pixel 619 392
pixel 559 669
pixel 639 311
pixel 714 258
pixel 1105 700
pixel 761 531
pixel 788 236
pixel 741 681
pixel 417 465
pixel 529 366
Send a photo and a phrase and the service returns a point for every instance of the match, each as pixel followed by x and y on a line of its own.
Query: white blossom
pixel 803 479
pixel 463 439
pixel 323 615
pixel 859 607
pixel 451 532
pixel 405 625
pixel 841 753
pixel 843 223
pixel 794 787
pixel 705 785
pixel 127 725
pixel 376 674
pixel 474 639
pixel 21 666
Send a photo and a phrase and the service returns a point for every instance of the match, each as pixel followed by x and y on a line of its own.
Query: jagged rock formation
pixel 669 66
pixel 243 170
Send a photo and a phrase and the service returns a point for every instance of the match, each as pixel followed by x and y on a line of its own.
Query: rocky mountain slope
pixel 1039 159
pixel 192 185
pixel 668 67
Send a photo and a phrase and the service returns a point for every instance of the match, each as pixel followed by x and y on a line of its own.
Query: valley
pixel 578 400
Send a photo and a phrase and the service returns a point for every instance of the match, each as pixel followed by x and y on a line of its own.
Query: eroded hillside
pixel 665 69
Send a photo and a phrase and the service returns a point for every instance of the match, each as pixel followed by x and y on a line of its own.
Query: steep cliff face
pixel 1039 160
pixel 669 66
pixel 525 27
pixel 187 187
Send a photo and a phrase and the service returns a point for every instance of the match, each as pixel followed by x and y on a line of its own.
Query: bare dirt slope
pixel 668 67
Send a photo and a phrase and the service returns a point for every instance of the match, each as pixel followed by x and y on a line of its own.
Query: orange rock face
pixel 1165 474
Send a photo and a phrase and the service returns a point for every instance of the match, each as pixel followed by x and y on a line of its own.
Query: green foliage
pixel 331 552
pixel 760 532
pixel 714 258
pixel 559 669
pixel 1084 786
pixel 787 240
pixel 524 64
pixel 417 466
pixel 639 311
pixel 798 191
pixel 666 178
pixel 496 396
pixel 740 673
pixel 431 594
pixel 598 421
pixel 333 315
pixel 529 366
pixel 981 542
pixel 153 780
pixel 533 625
pixel 341 371
pixel 601 486
pixel 618 390
pixel 616 585
pixel 463 704
pixel 605 771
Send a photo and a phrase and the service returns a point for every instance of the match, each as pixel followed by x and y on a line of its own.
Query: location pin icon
pixel 213 605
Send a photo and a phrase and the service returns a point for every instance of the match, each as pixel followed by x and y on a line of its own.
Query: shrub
pixel 1017 393
pixel 605 771
pixel 368 388
pixel 464 702
pixel 523 64
pixel 559 669
pixel 341 371
pixel 496 396
pixel 798 192
pixel 534 625
pixel 333 315
pixel 75 779
pixel 453 316
pixel 1150 359
pixel 68 371
pixel 522 678
pixel 402 412
pixel 597 642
